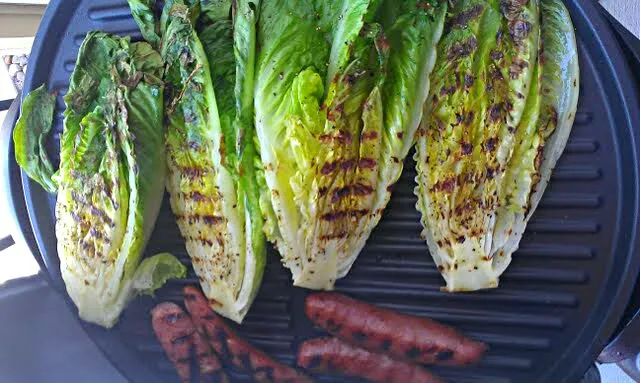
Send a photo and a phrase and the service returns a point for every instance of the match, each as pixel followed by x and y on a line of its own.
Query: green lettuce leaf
pixel 30 134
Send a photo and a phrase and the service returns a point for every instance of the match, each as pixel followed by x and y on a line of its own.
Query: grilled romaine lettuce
pixel 339 92
pixel 497 120
pixel 210 148
pixel 111 177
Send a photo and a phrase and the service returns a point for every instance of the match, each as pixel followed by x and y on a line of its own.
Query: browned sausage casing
pixel 233 348
pixel 415 339
pixel 178 335
pixel 334 355
pixel 211 369
pixel 174 330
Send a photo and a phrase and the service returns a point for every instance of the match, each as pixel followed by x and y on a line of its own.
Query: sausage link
pixel 334 355
pixel 232 348
pixel 211 369
pixel 415 339
pixel 174 330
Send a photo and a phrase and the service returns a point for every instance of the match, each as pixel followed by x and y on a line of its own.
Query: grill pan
pixel 558 304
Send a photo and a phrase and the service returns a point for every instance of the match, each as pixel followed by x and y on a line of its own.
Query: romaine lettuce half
pixel 338 98
pixel 111 177
pixel 497 120
pixel 210 149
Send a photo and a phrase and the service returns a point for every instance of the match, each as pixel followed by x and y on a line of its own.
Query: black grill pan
pixel 559 302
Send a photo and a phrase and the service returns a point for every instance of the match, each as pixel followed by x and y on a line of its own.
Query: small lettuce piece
pixel 112 172
pixel 30 134
pixel 155 271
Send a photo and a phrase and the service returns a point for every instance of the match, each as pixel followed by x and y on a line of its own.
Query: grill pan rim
pixel 125 360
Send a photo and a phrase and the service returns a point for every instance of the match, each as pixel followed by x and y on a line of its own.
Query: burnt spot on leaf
pixel 466 148
pixel 495 112
pixel 371 135
pixel 468 81
pixel 490 172
pixel 519 30
pixel 329 168
pixel 348 164
pixel 447 185
pixel 357 189
pixel 462 19
pixel 490 144
pixel 517 67
pixel 470 117
pixel 447 90
pixel 367 163
pixel 338 215
pixel 512 8
pixel 463 49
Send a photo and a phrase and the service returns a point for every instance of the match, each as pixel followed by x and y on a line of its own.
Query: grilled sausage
pixel 211 369
pixel 174 330
pixel 232 348
pixel 334 355
pixel 415 339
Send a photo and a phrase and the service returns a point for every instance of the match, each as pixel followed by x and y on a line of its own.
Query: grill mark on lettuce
pixel 348 164
pixel 192 219
pixel 463 18
pixel 367 163
pixel 463 49
pixel 343 214
pixel 342 137
pixel 358 189
pixel 332 236
pixel 370 135
pixel 191 172
pixel 196 196
pixel 447 185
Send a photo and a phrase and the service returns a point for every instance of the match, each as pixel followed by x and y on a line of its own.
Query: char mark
pixel 465 17
pixel 338 215
pixel 357 189
pixel 463 49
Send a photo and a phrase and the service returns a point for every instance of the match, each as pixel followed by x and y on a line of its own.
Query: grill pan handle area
pixel 624 348
pixel 10 185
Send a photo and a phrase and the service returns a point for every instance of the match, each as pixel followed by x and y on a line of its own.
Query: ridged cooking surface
pixel 530 323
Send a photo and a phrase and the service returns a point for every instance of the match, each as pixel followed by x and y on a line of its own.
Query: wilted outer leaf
pixel 30 134
pixel 337 105
pixel 481 148
pixel 111 172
